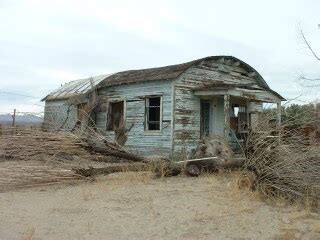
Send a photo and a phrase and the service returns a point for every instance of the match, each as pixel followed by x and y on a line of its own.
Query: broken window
pixel 115 115
pixel 153 113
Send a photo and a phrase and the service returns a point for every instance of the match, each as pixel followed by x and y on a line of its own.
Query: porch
pixel 233 112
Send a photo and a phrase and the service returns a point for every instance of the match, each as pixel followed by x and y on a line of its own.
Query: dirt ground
pixel 137 206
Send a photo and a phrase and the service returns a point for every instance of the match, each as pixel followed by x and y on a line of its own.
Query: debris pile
pixel 27 144
pixel 211 154
pixel 16 175
pixel 213 146
pixel 282 162
pixel 32 157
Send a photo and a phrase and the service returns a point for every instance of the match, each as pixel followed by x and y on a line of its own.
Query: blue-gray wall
pixel 151 143
pixel 56 115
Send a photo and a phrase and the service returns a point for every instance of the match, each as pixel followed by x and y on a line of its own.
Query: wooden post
pixel 13 121
pixel 14 118
pixel 226 116
pixel 0 129
pixel 278 114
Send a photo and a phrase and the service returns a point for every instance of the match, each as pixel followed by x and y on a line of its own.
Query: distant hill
pixel 25 119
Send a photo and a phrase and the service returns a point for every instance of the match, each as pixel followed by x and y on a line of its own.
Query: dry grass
pixel 137 206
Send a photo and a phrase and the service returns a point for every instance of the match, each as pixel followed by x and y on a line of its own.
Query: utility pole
pixel 14 118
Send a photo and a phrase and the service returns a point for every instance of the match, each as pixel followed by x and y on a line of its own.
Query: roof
pixel 150 74
pixel 169 72
pixel 74 88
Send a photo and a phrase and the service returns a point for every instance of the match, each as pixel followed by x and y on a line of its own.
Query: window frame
pixel 147 107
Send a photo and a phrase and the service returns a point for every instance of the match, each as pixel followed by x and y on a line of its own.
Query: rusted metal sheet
pixel 75 88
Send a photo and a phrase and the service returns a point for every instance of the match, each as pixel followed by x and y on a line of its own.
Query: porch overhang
pixel 254 95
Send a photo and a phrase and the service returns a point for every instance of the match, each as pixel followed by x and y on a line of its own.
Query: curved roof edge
pixel 174 71
pixel 75 88
pixel 82 86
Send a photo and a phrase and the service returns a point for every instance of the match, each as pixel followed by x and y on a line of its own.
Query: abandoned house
pixel 166 110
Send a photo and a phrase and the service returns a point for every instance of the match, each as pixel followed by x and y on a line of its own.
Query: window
pixel 115 115
pixel 153 113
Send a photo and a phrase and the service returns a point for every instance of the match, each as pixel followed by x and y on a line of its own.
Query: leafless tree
pixel 315 80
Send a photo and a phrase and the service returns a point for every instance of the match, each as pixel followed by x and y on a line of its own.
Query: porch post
pixel 248 115
pixel 226 116
pixel 278 114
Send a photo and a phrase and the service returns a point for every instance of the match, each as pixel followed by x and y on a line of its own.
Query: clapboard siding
pixel 59 115
pixel 140 141
pixel 186 132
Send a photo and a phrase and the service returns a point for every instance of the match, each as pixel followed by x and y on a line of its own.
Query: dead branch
pixel 118 153
pixel 309 46
pixel 89 172
pixel 285 160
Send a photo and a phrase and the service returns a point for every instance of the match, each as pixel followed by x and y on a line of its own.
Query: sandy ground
pixel 136 206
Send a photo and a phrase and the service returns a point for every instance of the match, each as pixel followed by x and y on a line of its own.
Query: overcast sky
pixel 44 44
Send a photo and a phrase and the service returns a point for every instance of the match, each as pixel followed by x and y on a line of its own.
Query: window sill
pixel 153 132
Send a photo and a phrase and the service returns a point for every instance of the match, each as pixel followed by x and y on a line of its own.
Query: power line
pixel 18 94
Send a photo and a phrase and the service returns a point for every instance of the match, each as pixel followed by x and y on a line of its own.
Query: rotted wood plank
pixel 226 116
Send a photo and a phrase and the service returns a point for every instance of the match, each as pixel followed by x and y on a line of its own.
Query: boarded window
pixel 115 115
pixel 153 113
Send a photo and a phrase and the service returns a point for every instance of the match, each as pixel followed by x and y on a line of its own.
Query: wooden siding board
pixel 55 114
pixel 140 141
pixel 186 132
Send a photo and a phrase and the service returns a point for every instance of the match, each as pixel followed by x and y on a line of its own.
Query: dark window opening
pixel 115 115
pixel 153 113
pixel 239 118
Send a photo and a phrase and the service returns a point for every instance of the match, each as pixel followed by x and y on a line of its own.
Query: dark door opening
pixel 205 118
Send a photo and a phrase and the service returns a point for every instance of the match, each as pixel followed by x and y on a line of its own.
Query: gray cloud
pixel 44 43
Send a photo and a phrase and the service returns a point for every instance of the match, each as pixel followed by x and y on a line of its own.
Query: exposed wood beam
pixel 226 116
pixel 255 95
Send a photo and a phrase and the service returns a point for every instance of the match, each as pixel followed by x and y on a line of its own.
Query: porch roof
pixel 260 95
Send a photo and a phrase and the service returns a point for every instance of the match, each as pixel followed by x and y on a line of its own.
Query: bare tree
pixel 315 80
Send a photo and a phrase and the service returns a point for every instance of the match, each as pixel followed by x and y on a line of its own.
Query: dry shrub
pixel 286 158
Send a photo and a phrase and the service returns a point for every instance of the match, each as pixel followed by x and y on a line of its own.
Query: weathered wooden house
pixel 168 109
